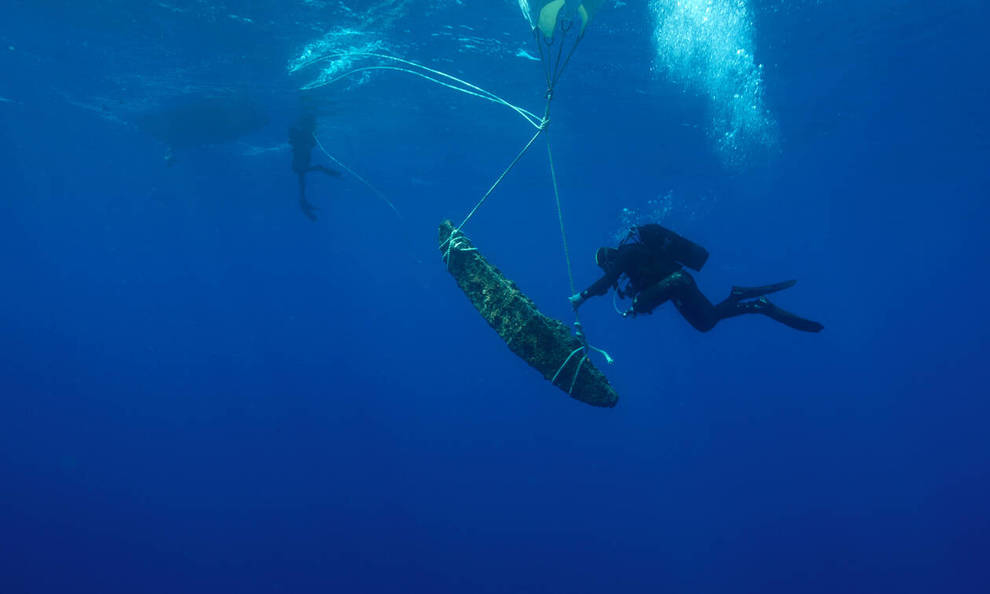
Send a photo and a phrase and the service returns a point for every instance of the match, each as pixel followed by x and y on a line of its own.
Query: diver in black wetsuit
pixel 302 141
pixel 652 258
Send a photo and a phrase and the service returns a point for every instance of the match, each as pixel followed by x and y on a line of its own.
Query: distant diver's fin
pixel 327 170
pixel 740 293
pixel 765 307
pixel 548 17
pixel 308 209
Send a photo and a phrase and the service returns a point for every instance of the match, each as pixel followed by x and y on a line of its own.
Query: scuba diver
pixel 652 259
pixel 302 141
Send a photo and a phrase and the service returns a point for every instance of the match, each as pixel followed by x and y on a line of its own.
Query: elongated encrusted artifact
pixel 543 342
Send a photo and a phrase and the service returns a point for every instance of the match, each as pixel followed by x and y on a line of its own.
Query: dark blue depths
pixel 203 391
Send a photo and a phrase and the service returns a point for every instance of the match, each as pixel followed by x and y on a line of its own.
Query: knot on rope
pixel 579 333
pixel 456 241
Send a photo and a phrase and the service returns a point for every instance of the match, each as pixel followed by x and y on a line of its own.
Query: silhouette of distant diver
pixel 302 141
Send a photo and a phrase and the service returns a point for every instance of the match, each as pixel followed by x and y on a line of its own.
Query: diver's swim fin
pixel 765 307
pixel 740 293
pixel 308 209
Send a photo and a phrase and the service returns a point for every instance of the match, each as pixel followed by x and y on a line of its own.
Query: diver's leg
pixel 301 176
pixel 688 299
pixel 307 208
pixel 692 303
pixel 651 297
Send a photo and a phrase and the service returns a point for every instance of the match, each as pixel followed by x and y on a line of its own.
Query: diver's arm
pixel 599 287
pixel 602 285
pixel 628 258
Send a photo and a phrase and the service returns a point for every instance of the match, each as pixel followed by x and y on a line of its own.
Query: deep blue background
pixel 202 391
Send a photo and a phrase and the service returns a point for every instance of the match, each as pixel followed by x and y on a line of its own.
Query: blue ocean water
pixel 201 390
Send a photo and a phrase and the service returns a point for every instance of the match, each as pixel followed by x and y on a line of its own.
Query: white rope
pixel 375 190
pixel 468 88
pixel 567 258
pixel 553 380
pixel 560 218
pixel 519 156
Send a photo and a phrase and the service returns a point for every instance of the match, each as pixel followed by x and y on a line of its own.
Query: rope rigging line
pixel 491 189
pixel 560 218
pixel 554 69
pixel 578 329
pixel 561 67
pixel 373 189
pixel 552 73
pixel 543 58
pixel 464 86
pixel 558 70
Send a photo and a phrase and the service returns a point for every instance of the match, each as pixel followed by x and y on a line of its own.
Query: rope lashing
pixel 553 380
pixel 457 242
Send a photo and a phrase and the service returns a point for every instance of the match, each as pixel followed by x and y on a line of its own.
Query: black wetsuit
pixel 655 277
pixel 302 141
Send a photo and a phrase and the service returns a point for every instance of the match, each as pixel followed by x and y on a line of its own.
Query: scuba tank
pixel 682 250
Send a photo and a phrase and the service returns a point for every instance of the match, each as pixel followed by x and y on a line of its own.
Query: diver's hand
pixel 576 300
